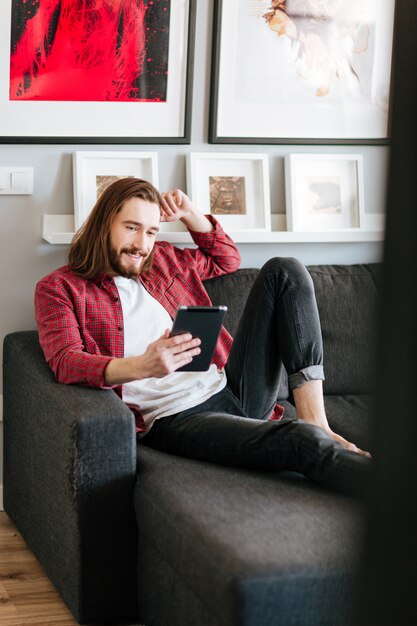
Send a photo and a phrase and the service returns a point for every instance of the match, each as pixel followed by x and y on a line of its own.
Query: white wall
pixel 25 257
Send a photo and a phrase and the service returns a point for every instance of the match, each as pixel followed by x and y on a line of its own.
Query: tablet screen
pixel 205 323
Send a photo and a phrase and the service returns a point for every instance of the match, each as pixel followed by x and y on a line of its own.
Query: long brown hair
pixel 90 248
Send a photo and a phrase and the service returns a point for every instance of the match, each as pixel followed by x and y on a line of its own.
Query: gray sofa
pixel 128 533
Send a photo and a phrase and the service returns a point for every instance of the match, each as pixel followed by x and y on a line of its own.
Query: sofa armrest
pixel 69 473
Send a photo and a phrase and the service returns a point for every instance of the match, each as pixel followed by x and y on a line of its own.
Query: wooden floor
pixel 26 595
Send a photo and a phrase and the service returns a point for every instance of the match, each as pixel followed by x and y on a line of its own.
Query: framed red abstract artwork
pixel 96 71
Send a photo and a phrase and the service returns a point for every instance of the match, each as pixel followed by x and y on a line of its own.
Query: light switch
pixel 16 181
pixel 20 181
pixel 4 181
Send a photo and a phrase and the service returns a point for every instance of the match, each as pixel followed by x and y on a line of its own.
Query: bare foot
pixel 348 445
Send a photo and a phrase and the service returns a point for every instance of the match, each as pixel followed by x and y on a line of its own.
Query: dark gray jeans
pixel 279 328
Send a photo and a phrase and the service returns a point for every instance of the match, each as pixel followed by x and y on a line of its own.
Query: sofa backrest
pixel 347 299
pixel 232 290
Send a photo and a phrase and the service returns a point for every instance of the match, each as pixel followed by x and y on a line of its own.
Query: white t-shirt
pixel 145 320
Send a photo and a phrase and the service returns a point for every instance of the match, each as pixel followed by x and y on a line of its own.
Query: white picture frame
pixel 314 72
pixel 90 166
pixel 233 187
pixel 148 120
pixel 324 192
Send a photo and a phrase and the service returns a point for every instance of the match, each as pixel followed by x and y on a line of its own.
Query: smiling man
pixel 104 321
pixel 132 237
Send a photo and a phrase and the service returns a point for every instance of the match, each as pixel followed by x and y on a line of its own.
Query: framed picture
pixel 324 192
pixel 232 187
pixel 301 71
pixel 115 72
pixel 93 172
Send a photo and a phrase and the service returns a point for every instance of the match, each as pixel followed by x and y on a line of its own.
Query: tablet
pixel 205 323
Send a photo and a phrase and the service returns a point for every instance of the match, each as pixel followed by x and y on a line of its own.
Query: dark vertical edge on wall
pixel 215 71
pixel 392 72
pixel 388 582
pixel 190 72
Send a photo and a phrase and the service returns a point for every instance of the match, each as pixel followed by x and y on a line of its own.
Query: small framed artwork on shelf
pixel 324 192
pixel 233 187
pixel 93 172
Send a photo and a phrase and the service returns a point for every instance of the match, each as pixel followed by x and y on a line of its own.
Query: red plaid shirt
pixel 80 321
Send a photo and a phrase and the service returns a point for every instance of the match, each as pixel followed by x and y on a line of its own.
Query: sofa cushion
pixel 250 547
pixel 351 417
pixel 231 290
pixel 346 298
pixel 347 301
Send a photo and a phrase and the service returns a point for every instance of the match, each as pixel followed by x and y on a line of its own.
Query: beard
pixel 122 269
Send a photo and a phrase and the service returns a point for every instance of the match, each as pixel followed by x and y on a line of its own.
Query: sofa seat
pixel 219 546
pixel 351 417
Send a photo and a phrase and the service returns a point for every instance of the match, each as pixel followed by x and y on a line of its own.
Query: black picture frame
pixel 217 106
pixel 184 120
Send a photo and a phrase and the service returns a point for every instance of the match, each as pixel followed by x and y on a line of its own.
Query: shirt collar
pixel 102 278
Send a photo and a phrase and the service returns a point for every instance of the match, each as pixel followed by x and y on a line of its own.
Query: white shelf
pixel 59 229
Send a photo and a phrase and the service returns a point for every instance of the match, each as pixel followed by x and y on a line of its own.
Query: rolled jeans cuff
pixel 313 372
